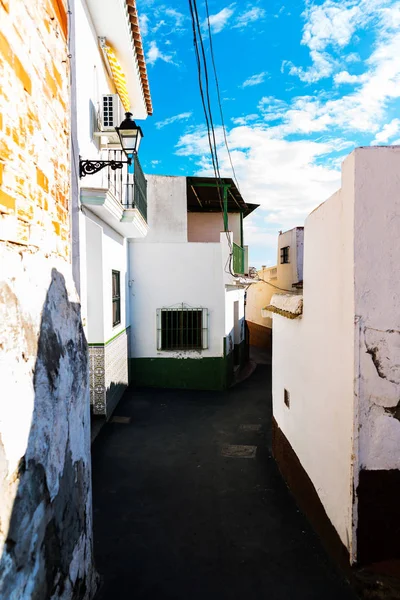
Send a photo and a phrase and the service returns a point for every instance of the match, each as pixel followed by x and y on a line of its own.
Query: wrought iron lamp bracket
pixel 90 167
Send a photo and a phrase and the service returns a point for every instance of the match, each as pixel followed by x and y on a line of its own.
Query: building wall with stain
pixel 377 365
pixel 45 482
pixel 338 441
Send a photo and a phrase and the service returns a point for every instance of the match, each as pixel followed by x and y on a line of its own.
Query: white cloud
pixel 363 109
pixel 322 66
pixel 144 24
pixel 245 119
pixel 330 23
pixel 154 54
pixel 181 117
pixel 158 25
pixel 345 77
pixel 388 131
pixel 272 108
pixel 176 15
pixel 254 79
pixel 333 24
pixel 353 57
pixel 219 21
pixel 249 16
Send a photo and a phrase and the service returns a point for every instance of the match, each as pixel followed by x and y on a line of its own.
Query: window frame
pixel 116 298
pixel 185 341
pixel 285 255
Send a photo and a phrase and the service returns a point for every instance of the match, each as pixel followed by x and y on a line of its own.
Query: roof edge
pixel 137 40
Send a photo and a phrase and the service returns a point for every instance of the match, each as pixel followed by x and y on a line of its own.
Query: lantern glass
pixel 129 134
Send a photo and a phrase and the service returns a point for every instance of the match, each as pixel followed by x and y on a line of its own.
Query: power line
pixel 219 96
pixel 198 61
pixel 206 102
pixel 275 286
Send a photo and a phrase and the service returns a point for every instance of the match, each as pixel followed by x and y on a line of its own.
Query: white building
pixel 336 378
pixel 287 274
pixel 187 292
pixel 109 77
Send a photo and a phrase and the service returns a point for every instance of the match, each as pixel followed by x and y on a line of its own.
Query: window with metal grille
pixel 116 298
pixel 182 328
pixel 285 255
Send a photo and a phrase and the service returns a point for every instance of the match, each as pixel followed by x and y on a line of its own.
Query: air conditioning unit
pixel 111 112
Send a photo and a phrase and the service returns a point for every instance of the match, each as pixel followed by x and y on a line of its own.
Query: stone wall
pixel 45 480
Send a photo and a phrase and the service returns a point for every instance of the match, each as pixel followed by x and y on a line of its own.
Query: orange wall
pixel 34 125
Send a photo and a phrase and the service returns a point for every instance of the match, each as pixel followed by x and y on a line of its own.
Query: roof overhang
pixel 204 194
pixel 117 21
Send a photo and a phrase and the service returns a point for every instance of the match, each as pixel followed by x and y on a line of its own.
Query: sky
pixel 302 84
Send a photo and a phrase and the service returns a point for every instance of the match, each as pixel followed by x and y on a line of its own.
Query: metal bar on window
pixel 182 328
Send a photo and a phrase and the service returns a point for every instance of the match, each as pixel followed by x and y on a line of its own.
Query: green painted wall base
pixel 187 373
pixel 184 373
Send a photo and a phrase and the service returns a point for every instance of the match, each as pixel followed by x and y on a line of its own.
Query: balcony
pixel 118 197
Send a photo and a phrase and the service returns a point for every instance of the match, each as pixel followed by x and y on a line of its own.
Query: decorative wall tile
pixel 108 374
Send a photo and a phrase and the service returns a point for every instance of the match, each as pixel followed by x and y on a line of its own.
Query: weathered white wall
pixel 92 81
pixel 167 274
pixel 234 335
pixel 106 251
pixel 313 357
pixel 45 470
pixel 377 304
pixel 94 299
pixel 207 227
pixel 166 210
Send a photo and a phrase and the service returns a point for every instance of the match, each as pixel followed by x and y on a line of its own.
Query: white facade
pixel 168 270
pixel 105 221
pixel 339 360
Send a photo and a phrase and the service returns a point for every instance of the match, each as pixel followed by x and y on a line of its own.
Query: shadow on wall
pixel 48 547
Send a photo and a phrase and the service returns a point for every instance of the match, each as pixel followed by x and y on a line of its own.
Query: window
pixel 182 328
pixel 285 255
pixel 116 298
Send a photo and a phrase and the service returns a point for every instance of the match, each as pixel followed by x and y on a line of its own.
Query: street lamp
pixel 130 136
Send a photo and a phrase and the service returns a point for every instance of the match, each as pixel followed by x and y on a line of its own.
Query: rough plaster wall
pixel 45 480
pixel 313 359
pixel 166 210
pixel 377 304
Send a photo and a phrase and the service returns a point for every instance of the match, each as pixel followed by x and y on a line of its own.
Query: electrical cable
pixel 198 61
pixel 206 102
pixel 219 95
pixel 258 280
pixel 216 170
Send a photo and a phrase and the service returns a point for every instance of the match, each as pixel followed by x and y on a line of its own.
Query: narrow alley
pixel 176 517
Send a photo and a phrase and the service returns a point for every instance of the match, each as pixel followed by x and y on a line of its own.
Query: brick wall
pixel 34 124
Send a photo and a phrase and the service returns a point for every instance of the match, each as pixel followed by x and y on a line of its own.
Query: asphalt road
pixel 190 505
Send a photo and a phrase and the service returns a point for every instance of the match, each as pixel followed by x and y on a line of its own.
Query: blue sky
pixel 302 85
